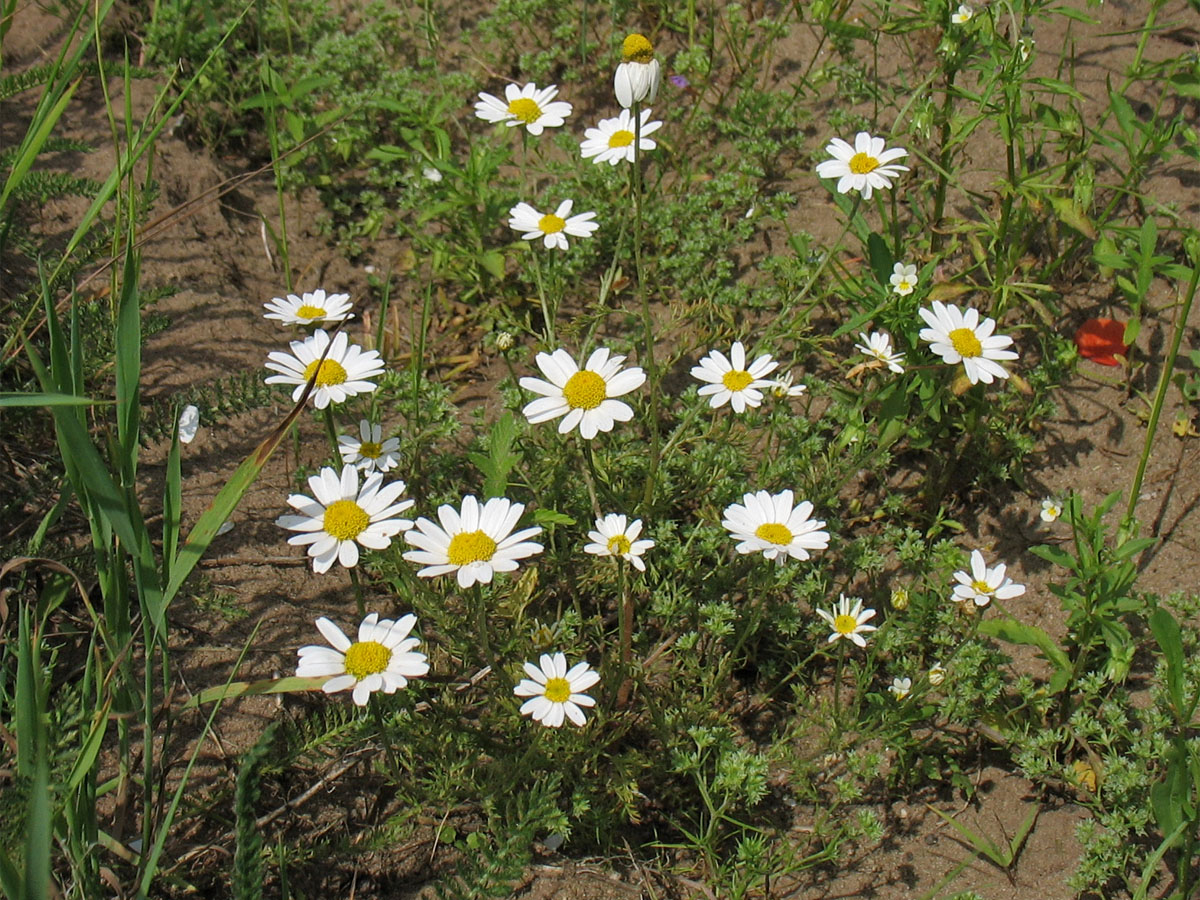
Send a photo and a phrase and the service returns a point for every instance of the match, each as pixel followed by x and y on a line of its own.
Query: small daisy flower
pixel 611 141
pixel 343 373
pixel 312 307
pixel 555 692
pixel 963 15
pixel 639 75
pixel 937 674
pixel 583 396
pixel 957 336
pixel 900 599
pixel 527 106
pixel 189 424
pixel 1051 510
pixel 342 516
pixel 730 381
pixel 613 537
pixel 865 167
pixel 553 227
pixel 768 523
pixel 983 585
pixel 904 278
pixel 900 687
pixel 475 543
pixel 849 622
pixel 878 346
pixel 369 451
pixel 783 389
pixel 382 659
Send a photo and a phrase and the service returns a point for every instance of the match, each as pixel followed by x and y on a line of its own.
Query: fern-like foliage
pixel 216 400
pixel 40 187
pixel 495 860
pixel 247 857
pixel 36 76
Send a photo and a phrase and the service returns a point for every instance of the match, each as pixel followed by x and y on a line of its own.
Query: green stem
pixel 1129 524
pixel 626 678
pixel 331 432
pixel 837 686
pixel 647 318
pixel 479 609
pixel 385 735
pixel 548 313
pixel 939 196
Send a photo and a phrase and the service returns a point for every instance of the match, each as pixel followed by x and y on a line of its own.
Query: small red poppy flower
pixel 1102 340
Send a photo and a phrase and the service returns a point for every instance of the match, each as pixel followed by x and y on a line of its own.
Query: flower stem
pixel 837 686
pixel 548 313
pixel 626 635
pixel 331 431
pixel 647 318
pixel 385 734
pixel 481 627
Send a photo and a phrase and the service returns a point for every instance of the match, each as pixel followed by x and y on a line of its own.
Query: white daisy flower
pixel 878 345
pixel 312 307
pixel 983 585
pixel 937 674
pixel 369 451
pixel 552 227
pixel 382 659
pixel 613 537
pixel 343 373
pixel 556 693
pixel 611 141
pixel 904 278
pixel 1051 510
pixel 476 543
pixel 639 75
pixel 583 396
pixel 527 106
pixel 342 516
pixel 189 424
pixel 963 16
pixel 769 524
pixel 783 389
pixel 864 167
pixel 849 622
pixel 729 379
pixel 901 687
pixel 958 336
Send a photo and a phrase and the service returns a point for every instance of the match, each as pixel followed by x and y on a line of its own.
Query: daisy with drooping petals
pixel 369 451
pixel 769 524
pixel 963 15
pixel 612 140
pixel 900 687
pixel 189 424
pixel 730 381
pixel 904 278
pixel 475 543
pixel 865 167
pixel 555 692
pixel 552 227
pixel 639 74
pixel 342 516
pixel 878 346
pixel 343 373
pixel 613 537
pixel 958 336
pixel 382 659
pixel 849 622
pixel 527 106
pixel 583 396
pixel 982 584
pixel 312 307
pixel 783 388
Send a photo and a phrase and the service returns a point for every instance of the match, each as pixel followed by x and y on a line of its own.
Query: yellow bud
pixel 636 48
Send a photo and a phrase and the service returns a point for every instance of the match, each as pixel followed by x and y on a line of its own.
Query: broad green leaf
pixel 1019 633
pixel 41 398
pixel 289 685
pixel 1170 641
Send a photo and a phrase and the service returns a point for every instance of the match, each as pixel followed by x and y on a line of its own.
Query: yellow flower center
pixel 619 545
pixel 370 450
pixel 845 624
pixel 737 379
pixel 525 109
pixel 365 658
pixel 905 285
pixel 551 224
pixel 585 390
pixel 331 372
pixel 862 163
pixel 966 343
pixel 774 532
pixel 981 587
pixel 558 690
pixel 310 312
pixel 345 520
pixel 637 48
pixel 620 139
pixel 470 547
